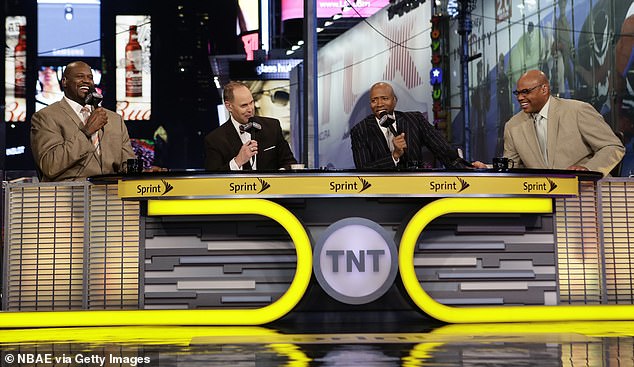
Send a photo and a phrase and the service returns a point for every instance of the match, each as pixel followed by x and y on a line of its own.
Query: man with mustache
pixel 555 133
pixel 377 147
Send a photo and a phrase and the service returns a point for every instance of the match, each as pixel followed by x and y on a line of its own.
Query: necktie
pixel 389 136
pixel 94 138
pixel 541 130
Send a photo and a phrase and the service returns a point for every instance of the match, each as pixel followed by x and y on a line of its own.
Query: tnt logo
pixel 355 261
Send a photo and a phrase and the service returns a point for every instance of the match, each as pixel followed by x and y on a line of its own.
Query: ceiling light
pixel 319 29
pixel 289 52
pixel 295 47
pixel 327 23
pixel 300 42
pixel 337 16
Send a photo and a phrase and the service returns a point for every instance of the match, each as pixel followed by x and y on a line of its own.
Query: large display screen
pixel 293 9
pixel 48 89
pixel 69 28
pixel 15 69
pixel 134 70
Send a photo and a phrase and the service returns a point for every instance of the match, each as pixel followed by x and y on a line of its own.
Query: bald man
pixel 554 133
pixel 377 147
pixel 71 140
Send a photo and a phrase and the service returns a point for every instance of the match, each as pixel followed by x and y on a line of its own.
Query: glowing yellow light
pixel 489 313
pixel 193 317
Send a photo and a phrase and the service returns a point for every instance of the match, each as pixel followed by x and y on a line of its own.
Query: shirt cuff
pixel 234 166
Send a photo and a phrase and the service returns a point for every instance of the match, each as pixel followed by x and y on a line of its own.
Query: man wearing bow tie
pixel 245 141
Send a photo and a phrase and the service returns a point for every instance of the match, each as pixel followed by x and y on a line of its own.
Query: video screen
pixel 134 69
pixel 15 69
pixel 48 89
pixel 293 9
pixel 272 100
pixel 69 29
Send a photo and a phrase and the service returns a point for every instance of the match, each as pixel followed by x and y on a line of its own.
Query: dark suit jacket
pixel 370 149
pixel 62 151
pixel 223 144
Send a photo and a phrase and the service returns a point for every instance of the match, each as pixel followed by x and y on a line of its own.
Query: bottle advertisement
pixel 15 69
pixel 133 67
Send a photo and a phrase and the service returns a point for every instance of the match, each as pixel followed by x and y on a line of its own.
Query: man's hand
pixel 399 146
pixel 577 168
pixel 97 120
pixel 478 164
pixel 248 150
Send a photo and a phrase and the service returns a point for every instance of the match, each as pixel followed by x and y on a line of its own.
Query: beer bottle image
pixel 133 66
pixel 20 64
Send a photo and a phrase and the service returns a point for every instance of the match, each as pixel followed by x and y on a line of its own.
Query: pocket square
pixel 269 148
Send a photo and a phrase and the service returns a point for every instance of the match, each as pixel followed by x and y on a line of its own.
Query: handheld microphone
pixel 386 121
pixel 93 98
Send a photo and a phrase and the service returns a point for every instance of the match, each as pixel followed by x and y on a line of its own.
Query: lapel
pixel 68 110
pixel 233 138
pixel 552 130
pixel 530 136
pixel 376 134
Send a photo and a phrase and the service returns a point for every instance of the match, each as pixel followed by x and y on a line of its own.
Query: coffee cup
pixel 502 163
pixel 297 166
pixel 133 166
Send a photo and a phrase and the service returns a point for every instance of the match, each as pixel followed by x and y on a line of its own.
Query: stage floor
pixel 526 344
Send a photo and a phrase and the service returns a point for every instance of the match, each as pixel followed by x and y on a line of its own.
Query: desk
pixel 206 243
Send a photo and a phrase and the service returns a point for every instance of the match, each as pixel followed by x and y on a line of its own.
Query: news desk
pixel 193 248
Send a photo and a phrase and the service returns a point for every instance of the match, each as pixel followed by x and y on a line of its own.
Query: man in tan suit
pixel 67 148
pixel 554 133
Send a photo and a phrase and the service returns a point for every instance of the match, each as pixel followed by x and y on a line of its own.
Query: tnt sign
pixel 355 261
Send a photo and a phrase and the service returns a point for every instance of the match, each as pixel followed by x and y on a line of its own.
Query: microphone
pixel 93 98
pixel 456 160
pixel 386 121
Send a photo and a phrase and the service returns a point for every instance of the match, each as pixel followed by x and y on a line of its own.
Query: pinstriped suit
pixel 370 149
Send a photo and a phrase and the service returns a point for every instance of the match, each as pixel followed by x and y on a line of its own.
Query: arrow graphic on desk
pixel 168 187
pixel 552 183
pixel 464 184
pixel 265 185
pixel 365 183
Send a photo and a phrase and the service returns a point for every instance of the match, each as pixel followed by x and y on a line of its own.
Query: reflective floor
pixel 551 344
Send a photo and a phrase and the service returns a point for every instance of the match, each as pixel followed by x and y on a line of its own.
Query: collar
pixel 544 111
pixel 76 107
pixel 391 115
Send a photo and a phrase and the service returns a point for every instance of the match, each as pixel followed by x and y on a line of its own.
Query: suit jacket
pixel 63 152
pixel 576 135
pixel 223 144
pixel 370 149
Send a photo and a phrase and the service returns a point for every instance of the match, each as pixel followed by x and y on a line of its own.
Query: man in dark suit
pixel 228 147
pixel 71 140
pixel 376 147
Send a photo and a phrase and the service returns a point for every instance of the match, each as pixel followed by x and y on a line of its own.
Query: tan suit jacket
pixel 63 152
pixel 577 136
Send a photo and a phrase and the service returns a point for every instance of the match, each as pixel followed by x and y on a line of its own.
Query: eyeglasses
pixel 526 91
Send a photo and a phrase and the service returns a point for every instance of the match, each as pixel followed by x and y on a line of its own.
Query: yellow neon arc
pixel 489 313
pixel 193 317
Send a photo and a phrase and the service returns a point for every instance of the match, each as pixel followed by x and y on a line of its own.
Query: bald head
pixel 533 91
pixel 382 98
pixel 77 81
